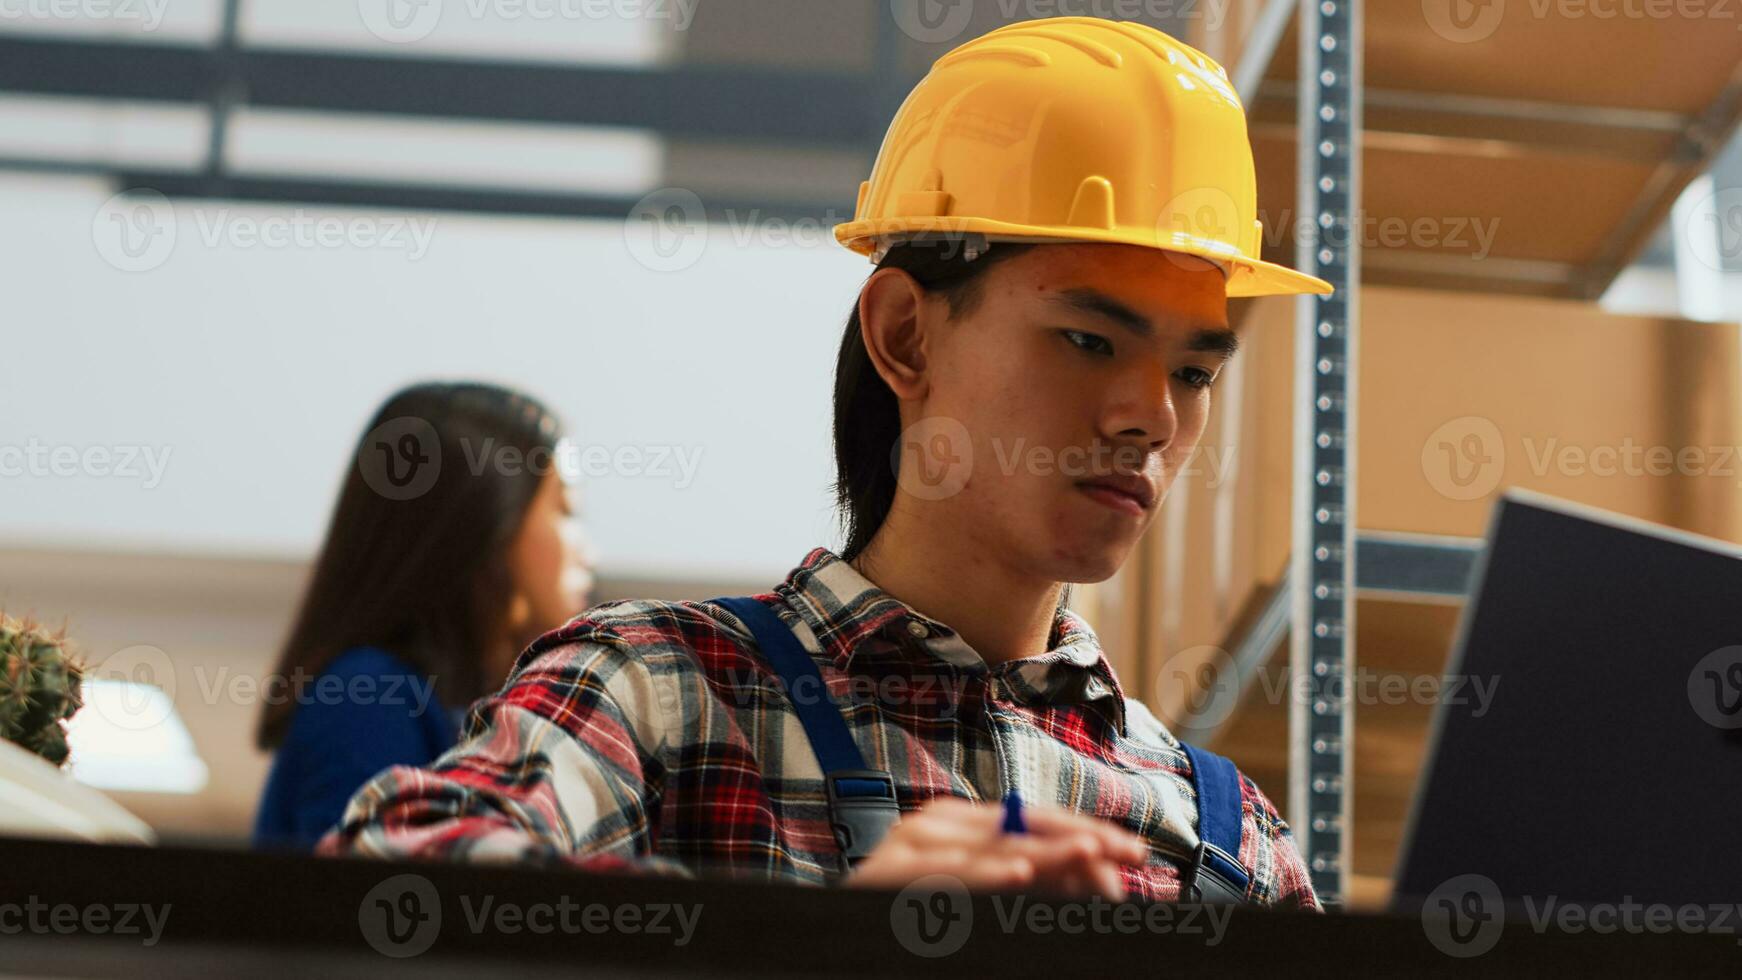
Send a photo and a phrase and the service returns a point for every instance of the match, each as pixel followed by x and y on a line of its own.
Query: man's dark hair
pixel 867 417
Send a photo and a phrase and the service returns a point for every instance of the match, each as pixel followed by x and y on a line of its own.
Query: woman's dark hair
pixel 415 559
pixel 867 418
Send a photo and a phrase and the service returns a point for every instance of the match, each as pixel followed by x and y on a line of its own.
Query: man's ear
pixel 895 314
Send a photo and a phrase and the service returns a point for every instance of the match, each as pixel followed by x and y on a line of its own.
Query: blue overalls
pixel 862 800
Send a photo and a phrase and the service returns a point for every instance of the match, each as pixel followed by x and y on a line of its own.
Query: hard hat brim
pixel 1247 276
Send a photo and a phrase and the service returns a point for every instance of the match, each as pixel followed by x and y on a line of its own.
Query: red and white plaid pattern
pixel 651 735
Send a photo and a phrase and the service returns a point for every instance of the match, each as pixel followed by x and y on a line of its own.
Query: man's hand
pixel 1063 852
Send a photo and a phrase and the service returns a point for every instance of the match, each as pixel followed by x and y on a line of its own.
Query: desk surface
pixel 230 913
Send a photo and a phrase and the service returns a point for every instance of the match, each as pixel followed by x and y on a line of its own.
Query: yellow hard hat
pixel 1074 129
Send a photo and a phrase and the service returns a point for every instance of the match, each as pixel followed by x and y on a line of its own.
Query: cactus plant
pixel 39 688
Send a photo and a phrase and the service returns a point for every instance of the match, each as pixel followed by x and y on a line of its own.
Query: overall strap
pixel 1215 874
pixel 862 802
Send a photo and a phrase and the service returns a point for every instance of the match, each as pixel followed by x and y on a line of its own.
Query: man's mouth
pixel 1128 494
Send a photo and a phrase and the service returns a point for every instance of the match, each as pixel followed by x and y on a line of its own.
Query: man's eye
pixel 1198 377
pixel 1089 341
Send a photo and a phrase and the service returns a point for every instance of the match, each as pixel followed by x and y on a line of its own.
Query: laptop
pixel 1607 764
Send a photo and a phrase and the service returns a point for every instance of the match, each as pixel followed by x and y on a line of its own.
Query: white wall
pixel 254 367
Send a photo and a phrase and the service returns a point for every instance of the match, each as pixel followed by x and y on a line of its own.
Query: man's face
pixel 1081 378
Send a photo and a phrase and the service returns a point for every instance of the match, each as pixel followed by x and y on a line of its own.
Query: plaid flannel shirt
pixel 651 735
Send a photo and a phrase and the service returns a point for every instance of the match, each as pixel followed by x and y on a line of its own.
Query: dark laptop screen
pixel 1608 764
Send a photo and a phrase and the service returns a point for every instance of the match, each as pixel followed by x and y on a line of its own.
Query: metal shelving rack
pixel 1321 726
pixel 1487 100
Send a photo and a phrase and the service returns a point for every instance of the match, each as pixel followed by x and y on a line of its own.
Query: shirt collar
pixel 852 619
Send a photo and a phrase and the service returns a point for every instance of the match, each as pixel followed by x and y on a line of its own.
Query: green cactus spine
pixel 39 688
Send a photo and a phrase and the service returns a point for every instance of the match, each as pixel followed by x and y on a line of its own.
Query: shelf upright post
pixel 1322 648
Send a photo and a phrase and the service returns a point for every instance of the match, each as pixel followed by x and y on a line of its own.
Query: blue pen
pixel 1013 823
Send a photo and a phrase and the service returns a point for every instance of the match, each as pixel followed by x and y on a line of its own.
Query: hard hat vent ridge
pixel 1026 56
pixel 1094 49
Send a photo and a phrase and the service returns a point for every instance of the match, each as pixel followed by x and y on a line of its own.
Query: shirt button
pixel 917 629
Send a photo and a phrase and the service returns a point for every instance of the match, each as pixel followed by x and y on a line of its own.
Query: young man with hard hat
pixel 1058 215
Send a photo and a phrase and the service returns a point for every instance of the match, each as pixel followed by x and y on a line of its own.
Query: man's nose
pixel 1143 413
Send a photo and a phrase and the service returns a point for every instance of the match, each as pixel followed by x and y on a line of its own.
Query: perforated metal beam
pixel 1321 727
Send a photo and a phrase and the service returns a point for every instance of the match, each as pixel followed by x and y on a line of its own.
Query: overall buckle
pixel 862 808
pixel 1213 878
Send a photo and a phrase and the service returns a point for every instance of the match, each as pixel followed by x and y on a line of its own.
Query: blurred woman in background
pixel 453 545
